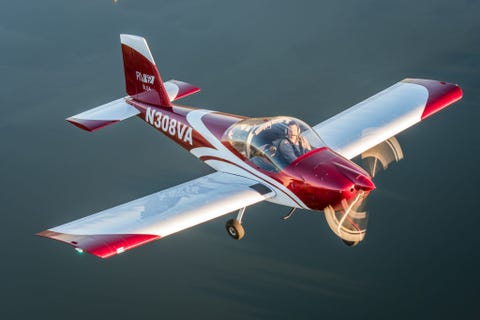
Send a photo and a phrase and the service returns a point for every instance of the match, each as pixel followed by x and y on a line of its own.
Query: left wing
pixel 386 114
pixel 135 223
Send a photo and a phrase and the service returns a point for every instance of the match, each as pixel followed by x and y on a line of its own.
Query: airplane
pixel 279 159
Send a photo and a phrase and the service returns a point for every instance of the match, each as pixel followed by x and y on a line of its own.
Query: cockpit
pixel 272 143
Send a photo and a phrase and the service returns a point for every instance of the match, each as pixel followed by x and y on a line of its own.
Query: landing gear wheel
pixel 235 229
pixel 351 243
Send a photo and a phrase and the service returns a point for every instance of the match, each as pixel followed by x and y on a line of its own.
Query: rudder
pixel 142 79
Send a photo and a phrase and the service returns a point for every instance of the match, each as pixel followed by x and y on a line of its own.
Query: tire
pixel 235 229
pixel 351 243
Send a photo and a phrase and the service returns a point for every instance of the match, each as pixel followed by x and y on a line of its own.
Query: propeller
pixel 379 157
pixel 350 223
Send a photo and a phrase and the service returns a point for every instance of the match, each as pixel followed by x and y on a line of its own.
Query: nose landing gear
pixel 351 243
pixel 289 214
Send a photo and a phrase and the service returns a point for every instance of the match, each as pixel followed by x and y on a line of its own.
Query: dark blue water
pixel 306 59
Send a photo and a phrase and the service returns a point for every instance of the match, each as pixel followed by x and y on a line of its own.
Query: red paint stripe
pixel 440 95
pixel 101 245
pixel 105 246
pixel 90 125
pixel 184 89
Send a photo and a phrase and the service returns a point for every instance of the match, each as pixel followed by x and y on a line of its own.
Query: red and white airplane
pixel 278 159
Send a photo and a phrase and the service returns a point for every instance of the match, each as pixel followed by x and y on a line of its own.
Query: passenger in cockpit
pixel 293 145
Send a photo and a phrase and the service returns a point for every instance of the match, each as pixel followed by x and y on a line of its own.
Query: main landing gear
pixel 234 226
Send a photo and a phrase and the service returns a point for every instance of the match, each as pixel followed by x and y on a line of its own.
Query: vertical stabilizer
pixel 142 79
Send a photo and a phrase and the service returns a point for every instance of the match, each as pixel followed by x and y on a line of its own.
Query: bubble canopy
pixel 271 143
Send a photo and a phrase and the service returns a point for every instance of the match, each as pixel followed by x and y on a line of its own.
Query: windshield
pixel 272 143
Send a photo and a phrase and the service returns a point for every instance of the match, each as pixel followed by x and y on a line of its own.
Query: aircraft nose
pixel 363 183
pixel 359 177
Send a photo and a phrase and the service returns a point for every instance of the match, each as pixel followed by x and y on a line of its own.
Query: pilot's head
pixel 293 131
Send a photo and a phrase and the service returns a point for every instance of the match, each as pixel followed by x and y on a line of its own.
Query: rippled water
pixel 310 60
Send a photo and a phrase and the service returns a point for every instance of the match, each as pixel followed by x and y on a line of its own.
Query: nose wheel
pixel 234 226
pixel 350 243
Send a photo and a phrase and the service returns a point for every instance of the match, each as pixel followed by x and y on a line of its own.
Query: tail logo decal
pixel 146 80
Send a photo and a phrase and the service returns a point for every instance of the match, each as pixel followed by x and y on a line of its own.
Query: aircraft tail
pixel 142 78
pixel 143 83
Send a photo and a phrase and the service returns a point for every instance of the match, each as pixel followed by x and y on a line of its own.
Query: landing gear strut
pixel 234 226
pixel 289 214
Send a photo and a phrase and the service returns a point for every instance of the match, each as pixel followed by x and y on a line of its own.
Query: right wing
pixel 158 215
pixel 386 114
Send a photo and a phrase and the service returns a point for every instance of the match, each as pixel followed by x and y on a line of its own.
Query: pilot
pixel 293 145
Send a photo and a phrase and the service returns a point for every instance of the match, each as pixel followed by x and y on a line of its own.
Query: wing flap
pixel 121 228
pixel 385 114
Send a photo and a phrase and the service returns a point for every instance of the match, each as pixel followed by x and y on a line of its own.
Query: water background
pixel 307 59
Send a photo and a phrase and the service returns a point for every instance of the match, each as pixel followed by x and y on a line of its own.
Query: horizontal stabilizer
pixel 104 115
pixel 120 109
pixel 178 89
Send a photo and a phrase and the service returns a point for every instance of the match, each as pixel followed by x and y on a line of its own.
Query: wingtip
pixel 441 94
pixel 45 234
pixel 104 245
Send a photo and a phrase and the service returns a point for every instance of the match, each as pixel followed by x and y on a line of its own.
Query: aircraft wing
pixel 385 114
pixel 135 223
